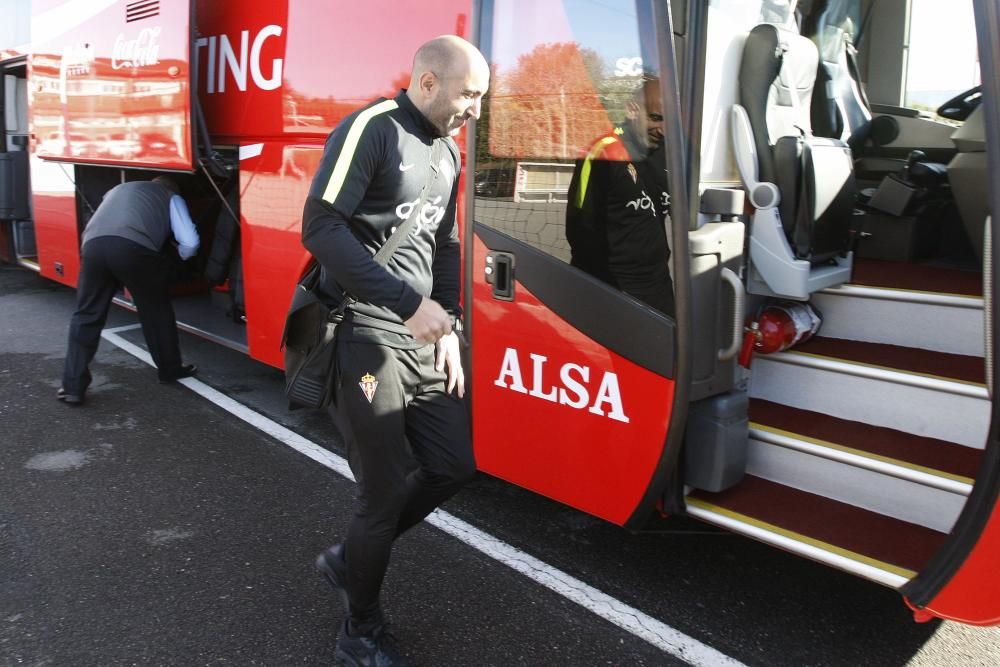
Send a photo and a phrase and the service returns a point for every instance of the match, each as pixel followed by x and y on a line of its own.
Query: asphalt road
pixel 151 527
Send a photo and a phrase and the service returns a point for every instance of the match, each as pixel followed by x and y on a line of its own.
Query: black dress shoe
pixel 69 399
pixel 185 371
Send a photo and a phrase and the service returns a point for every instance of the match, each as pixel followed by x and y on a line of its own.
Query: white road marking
pixel 643 626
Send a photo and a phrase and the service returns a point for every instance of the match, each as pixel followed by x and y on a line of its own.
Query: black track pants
pixel 108 262
pixel 409 448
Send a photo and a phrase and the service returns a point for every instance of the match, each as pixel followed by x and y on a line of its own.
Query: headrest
pixel 778 12
pixel 790 98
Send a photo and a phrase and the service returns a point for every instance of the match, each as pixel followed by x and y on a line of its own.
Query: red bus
pixel 829 160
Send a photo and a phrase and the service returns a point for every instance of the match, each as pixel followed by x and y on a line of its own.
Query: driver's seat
pixel 840 107
pixel 967 173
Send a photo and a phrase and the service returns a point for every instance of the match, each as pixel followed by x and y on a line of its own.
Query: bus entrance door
pixel 571 319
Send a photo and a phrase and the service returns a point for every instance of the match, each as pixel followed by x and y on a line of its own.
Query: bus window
pixel 570 156
pixel 935 74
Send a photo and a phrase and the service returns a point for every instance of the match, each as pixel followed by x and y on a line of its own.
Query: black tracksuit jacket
pixel 615 219
pixel 374 166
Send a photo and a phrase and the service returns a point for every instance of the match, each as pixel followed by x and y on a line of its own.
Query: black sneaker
pixel 331 564
pixel 377 649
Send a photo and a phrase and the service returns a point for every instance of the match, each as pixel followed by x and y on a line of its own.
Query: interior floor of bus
pixel 206 315
pixel 944 276
pixel 866 440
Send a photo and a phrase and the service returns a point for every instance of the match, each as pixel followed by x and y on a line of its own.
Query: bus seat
pixel 839 106
pixel 801 186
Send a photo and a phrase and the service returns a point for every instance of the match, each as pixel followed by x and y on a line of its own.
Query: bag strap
pixel 384 253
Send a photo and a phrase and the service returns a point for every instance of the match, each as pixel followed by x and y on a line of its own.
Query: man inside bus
pixel 399 381
pixel 619 205
pixel 126 243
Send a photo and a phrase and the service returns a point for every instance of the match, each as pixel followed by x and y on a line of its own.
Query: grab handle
pixel 500 274
pixel 739 298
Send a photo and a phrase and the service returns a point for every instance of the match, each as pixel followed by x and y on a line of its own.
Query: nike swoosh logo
pixel 405 167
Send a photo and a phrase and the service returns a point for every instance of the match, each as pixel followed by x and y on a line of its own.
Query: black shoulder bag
pixel 311 325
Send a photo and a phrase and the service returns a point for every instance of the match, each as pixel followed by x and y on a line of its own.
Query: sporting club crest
pixel 368 385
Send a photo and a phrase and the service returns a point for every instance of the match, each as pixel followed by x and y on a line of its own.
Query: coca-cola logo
pixel 142 51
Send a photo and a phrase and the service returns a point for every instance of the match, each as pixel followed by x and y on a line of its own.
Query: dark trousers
pixel 107 262
pixel 409 448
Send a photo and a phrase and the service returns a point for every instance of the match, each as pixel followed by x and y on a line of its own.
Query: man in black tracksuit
pixel 399 379
pixel 619 203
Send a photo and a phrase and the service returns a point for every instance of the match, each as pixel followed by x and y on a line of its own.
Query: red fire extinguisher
pixel 778 327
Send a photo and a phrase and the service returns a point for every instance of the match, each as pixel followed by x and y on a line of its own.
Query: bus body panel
pixel 973 594
pixel 273 186
pixel 555 411
pixel 13 51
pixel 110 85
pixel 55 216
pixel 303 66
